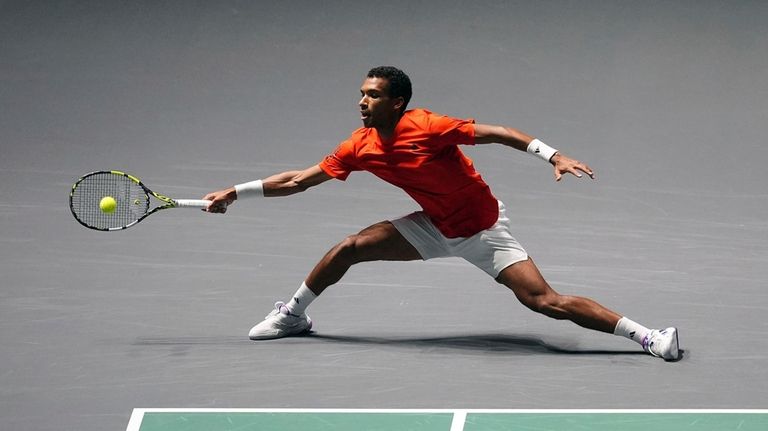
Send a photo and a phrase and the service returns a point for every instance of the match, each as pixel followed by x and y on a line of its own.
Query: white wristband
pixel 541 150
pixel 252 188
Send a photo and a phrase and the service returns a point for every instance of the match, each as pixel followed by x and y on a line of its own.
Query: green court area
pixel 295 421
pixel 444 420
pixel 616 421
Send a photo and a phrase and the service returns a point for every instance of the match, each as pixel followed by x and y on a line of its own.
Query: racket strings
pixel 132 201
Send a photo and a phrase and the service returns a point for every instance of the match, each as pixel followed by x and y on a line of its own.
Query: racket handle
pixel 192 203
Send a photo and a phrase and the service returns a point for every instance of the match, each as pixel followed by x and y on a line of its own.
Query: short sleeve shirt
pixel 423 159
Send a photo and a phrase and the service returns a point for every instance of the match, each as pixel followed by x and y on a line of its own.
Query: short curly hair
pixel 399 82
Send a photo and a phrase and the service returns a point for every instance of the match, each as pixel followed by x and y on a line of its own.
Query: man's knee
pixel 355 248
pixel 378 242
pixel 347 248
pixel 550 305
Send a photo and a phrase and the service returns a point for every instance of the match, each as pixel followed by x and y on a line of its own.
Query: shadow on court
pixel 479 343
pixel 201 341
pixel 491 343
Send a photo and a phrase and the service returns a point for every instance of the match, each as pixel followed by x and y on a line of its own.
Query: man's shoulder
pixel 416 119
pixel 426 120
pixel 358 135
pixel 418 113
pixel 425 116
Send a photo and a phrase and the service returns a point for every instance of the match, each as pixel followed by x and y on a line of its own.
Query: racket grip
pixel 192 203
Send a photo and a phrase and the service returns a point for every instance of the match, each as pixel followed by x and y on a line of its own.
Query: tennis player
pixel 418 151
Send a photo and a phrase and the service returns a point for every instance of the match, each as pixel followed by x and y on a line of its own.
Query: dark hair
pixel 399 82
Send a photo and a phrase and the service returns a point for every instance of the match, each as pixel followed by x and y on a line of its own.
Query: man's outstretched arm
pixel 282 184
pixel 487 134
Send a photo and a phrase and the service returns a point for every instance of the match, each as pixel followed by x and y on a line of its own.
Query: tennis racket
pixel 130 205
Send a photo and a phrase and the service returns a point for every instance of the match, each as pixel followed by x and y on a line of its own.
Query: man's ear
pixel 399 103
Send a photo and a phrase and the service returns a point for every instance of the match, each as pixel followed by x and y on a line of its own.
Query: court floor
pixel 667 102
pixel 443 420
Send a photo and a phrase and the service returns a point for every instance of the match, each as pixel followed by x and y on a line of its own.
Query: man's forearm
pixel 292 182
pixel 509 136
pixel 514 138
pixel 284 184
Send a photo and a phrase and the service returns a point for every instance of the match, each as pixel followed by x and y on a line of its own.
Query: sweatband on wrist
pixel 541 150
pixel 250 189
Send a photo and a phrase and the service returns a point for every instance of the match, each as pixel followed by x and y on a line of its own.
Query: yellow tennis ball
pixel 108 204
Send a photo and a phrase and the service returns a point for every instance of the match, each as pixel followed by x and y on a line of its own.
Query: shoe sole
pixel 276 336
pixel 285 334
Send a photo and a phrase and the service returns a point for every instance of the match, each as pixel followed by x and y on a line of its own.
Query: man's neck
pixel 388 131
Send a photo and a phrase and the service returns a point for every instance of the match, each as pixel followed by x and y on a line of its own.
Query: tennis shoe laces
pixel 663 344
pixel 280 323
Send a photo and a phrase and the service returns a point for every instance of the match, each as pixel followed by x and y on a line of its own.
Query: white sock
pixel 301 300
pixel 632 330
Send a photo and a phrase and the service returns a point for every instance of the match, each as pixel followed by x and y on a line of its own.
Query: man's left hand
pixel 564 164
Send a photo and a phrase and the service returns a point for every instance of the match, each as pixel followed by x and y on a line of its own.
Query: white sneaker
pixel 280 323
pixel 662 344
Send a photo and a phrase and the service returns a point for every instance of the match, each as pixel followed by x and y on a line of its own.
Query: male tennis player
pixel 418 151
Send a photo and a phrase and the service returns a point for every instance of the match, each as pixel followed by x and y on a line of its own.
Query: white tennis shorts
pixel 491 250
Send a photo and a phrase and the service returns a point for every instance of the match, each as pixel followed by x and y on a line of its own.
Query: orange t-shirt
pixel 423 159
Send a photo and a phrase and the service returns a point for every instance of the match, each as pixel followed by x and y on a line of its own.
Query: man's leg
pixel 525 280
pixel 382 241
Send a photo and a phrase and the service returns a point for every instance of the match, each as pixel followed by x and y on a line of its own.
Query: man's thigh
pixel 525 280
pixel 382 241
pixel 422 234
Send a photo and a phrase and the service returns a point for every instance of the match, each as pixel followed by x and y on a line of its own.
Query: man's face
pixel 377 109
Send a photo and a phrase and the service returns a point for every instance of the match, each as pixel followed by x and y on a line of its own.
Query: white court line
pixel 428 411
pixel 137 417
pixel 459 417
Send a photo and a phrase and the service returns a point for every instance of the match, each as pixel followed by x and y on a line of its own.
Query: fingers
pixel 576 169
pixel 219 203
pixel 217 207
pixel 587 170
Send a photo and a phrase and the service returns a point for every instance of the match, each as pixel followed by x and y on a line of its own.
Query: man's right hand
pixel 220 200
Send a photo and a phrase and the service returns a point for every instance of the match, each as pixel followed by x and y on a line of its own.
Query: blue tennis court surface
pixel 443 420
